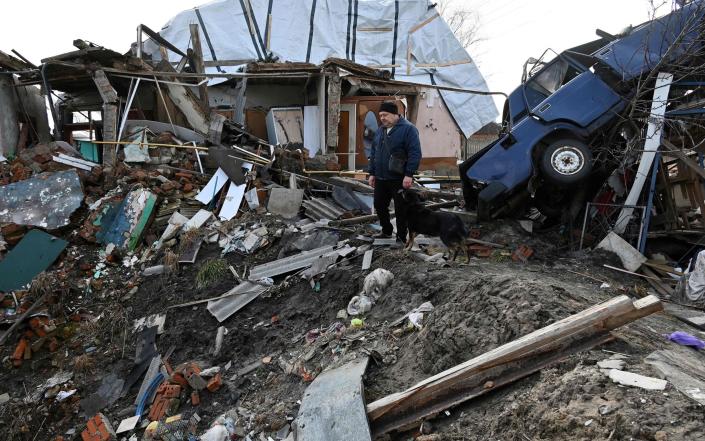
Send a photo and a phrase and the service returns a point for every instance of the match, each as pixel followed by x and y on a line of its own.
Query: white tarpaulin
pixel 406 37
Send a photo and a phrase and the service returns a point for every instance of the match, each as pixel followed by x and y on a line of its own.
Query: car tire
pixel 566 162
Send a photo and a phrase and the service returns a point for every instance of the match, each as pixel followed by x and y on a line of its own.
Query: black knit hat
pixel 389 107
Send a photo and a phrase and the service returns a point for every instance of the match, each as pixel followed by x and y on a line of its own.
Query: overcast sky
pixel 510 30
pixel 513 30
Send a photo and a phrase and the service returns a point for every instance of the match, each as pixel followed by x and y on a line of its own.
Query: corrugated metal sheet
pixel 241 295
pixel 318 208
pixel 477 143
pixel 288 264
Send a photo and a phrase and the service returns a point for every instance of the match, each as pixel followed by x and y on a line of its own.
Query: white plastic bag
pixel 377 282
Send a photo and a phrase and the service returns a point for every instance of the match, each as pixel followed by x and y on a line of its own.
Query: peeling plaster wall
pixel 440 136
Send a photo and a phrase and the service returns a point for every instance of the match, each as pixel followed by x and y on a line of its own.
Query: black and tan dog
pixel 422 220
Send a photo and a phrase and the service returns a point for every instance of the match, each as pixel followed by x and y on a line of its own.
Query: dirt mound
pixel 476 311
pixel 577 401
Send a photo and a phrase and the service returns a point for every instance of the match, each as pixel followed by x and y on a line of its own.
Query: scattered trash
pixel 256 214
pixel 356 323
pixel 685 339
pixel 377 282
pixel 359 305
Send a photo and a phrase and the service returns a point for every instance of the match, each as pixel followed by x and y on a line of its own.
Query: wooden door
pixel 364 106
pixel 343 148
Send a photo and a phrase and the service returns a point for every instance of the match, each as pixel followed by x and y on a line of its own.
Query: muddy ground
pixel 286 337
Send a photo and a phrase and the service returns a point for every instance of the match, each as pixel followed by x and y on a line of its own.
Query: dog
pixel 422 220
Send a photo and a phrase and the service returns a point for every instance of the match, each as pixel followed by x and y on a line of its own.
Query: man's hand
pixel 406 183
pixel 371 181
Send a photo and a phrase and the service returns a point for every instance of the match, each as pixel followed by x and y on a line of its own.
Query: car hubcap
pixel 567 160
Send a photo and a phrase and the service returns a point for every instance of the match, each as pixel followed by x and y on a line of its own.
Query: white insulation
pixel 362 31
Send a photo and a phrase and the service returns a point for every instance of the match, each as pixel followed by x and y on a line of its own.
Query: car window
pixel 552 77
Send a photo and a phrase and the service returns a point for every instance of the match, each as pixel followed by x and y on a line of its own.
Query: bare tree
pixel 463 21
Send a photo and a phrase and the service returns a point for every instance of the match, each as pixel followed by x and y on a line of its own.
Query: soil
pixel 284 338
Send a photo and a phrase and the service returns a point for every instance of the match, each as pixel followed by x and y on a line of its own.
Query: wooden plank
pixel 663 268
pixel 516 359
pixel 198 66
pixel 333 406
pixel 678 153
pixel 209 63
pixel 692 317
pixel 71 162
pixel 367 260
pixel 9 62
pixel 665 289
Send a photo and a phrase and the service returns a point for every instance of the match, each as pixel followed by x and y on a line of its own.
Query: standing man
pixel 394 158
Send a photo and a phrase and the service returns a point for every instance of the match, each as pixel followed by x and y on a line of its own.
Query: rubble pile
pixel 204 262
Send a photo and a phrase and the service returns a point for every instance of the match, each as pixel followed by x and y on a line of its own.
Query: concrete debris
pixel 198 220
pixel 630 257
pixel 611 364
pixel 285 202
pixel 636 380
pixel 253 223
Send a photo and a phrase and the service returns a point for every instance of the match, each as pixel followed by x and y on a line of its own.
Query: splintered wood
pixel 506 363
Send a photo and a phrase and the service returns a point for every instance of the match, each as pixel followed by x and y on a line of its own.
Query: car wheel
pixel 566 162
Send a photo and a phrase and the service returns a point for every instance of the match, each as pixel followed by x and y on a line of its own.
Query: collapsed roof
pixel 408 37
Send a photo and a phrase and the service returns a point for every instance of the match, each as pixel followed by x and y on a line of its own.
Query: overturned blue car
pixel 573 110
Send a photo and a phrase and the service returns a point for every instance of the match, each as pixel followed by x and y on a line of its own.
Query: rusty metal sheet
pixel 46 201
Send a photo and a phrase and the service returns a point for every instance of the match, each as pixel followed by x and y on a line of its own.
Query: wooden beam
pixel 374 217
pixel 9 62
pixel 678 153
pixel 197 65
pixel 209 63
pixel 333 117
pixel 506 363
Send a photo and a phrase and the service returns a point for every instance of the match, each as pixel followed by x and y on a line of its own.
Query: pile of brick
pixel 42 331
pixel 98 428
pixel 186 377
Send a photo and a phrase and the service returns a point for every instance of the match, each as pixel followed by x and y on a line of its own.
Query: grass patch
pixel 210 272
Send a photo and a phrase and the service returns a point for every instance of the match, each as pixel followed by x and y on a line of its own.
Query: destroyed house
pixel 197 255
pixel 407 40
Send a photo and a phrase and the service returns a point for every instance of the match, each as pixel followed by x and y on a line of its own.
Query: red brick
pixel 91 426
pixel 20 349
pixel 215 383
pixel 195 398
pixel 98 428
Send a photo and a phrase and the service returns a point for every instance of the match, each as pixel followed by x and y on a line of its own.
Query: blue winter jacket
pixel 403 136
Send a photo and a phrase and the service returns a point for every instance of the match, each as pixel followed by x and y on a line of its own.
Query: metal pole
pixel 651 146
pixel 130 97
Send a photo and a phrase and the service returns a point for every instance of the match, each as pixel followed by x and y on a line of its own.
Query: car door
pixel 562 92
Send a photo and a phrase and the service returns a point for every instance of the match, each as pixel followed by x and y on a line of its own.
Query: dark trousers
pixel 385 191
